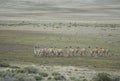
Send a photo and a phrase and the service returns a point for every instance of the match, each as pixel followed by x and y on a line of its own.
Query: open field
pixel 25 24
pixel 17 46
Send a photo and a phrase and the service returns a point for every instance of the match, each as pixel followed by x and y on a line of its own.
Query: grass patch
pixel 17 47
pixel 43 74
pixel 31 70
pixel 4 64
pixel 102 77
pixel 38 78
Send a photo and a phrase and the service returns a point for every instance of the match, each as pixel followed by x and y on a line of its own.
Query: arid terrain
pixel 26 25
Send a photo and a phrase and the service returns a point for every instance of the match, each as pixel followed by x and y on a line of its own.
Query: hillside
pixel 44 8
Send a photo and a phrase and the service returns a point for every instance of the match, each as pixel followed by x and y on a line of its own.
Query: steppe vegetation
pixel 28 25
pixel 60 24
pixel 17 47
pixel 54 73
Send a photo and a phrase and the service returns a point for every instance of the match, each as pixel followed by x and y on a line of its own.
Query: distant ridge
pixel 76 7
pixel 64 1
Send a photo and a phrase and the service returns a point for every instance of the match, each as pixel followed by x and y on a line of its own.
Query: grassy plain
pixel 59 23
pixel 16 46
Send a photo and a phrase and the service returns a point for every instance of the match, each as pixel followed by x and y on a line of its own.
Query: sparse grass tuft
pixel 49 78
pixel 3 64
pixel 58 76
pixel 44 74
pixel 38 78
pixel 20 70
pixel 102 77
pixel 31 69
pixel 55 74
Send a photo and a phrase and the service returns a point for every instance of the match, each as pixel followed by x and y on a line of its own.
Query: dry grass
pixel 17 46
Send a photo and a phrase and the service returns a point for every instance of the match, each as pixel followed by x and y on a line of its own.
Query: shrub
pixel 20 71
pixel 102 77
pixel 55 73
pixel 2 79
pixel 2 74
pixel 29 79
pixel 72 78
pixel 59 77
pixel 38 78
pixel 44 74
pixel 85 80
pixel 31 69
pixel 21 79
pixel 26 77
pixel 14 67
pixel 116 78
pixel 78 79
pixel 49 78
pixel 8 78
pixel 3 64
pixel 6 73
